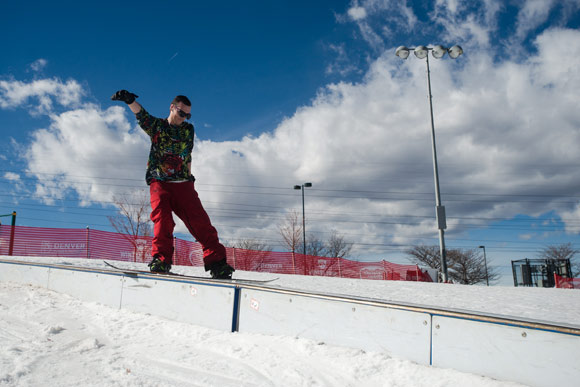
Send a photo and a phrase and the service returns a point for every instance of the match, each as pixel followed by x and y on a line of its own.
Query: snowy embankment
pixel 52 339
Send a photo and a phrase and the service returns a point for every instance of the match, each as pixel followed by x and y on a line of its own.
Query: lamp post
pixel 438 52
pixel 485 262
pixel 301 187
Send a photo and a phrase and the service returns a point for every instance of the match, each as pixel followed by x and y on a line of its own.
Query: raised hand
pixel 125 96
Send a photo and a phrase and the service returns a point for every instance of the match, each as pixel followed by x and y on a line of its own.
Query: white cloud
pixel 357 13
pixel 531 15
pixel 38 65
pixel 342 64
pixel 477 24
pixel 41 94
pixel 552 66
pixel 11 176
pixel 365 14
pixel 461 22
pixel 570 219
pixel 89 151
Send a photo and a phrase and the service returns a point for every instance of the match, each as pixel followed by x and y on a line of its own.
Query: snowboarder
pixel 171 186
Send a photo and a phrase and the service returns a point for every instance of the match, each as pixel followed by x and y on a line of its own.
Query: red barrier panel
pixel 104 245
pixel 566 283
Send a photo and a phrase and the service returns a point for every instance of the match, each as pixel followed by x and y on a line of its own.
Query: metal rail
pixel 568 329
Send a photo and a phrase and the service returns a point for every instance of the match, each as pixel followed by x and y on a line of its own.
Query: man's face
pixel 177 111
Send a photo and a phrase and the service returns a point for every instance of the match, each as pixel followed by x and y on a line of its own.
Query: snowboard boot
pixel 158 266
pixel 221 270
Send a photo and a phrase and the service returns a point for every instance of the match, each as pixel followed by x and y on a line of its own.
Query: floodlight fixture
pixel 455 51
pixel 421 52
pixel 438 51
pixel 402 52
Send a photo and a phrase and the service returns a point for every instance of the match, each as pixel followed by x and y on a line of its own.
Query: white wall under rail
pixel 520 352
pixel 400 333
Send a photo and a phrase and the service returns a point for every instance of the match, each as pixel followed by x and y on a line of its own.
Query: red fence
pixel 566 283
pixel 104 245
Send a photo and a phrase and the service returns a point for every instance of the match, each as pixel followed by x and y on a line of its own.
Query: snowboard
pixel 177 275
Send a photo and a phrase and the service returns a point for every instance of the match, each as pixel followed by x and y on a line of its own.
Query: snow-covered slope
pixel 52 339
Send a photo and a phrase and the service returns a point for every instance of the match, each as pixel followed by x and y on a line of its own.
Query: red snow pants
pixel 182 199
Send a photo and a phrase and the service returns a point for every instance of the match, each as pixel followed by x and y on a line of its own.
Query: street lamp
pixel 485 262
pixel 438 52
pixel 301 187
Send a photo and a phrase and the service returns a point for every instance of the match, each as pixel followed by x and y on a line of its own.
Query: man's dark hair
pixel 183 99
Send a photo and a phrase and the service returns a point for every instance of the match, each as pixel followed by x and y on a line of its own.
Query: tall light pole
pixel 301 187
pixel 438 52
pixel 485 262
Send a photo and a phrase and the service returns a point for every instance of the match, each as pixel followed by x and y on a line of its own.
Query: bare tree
pixel 563 251
pixel 133 216
pixel 337 246
pixel 468 267
pixel 425 255
pixel 132 221
pixel 315 247
pixel 464 266
pixel 291 231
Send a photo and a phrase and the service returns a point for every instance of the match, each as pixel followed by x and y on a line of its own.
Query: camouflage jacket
pixel 171 146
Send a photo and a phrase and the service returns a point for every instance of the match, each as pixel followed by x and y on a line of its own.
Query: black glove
pixel 125 96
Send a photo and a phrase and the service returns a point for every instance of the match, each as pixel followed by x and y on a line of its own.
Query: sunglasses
pixel 182 113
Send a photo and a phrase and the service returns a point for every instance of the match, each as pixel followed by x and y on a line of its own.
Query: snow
pixel 53 339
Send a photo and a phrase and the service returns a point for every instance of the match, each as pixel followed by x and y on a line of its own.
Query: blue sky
pixel 286 92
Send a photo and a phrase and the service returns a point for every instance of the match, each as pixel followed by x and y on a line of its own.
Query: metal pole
pixel 88 244
pixel 485 262
pixel 440 210
pixel 302 187
pixel 303 224
pixel 11 247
